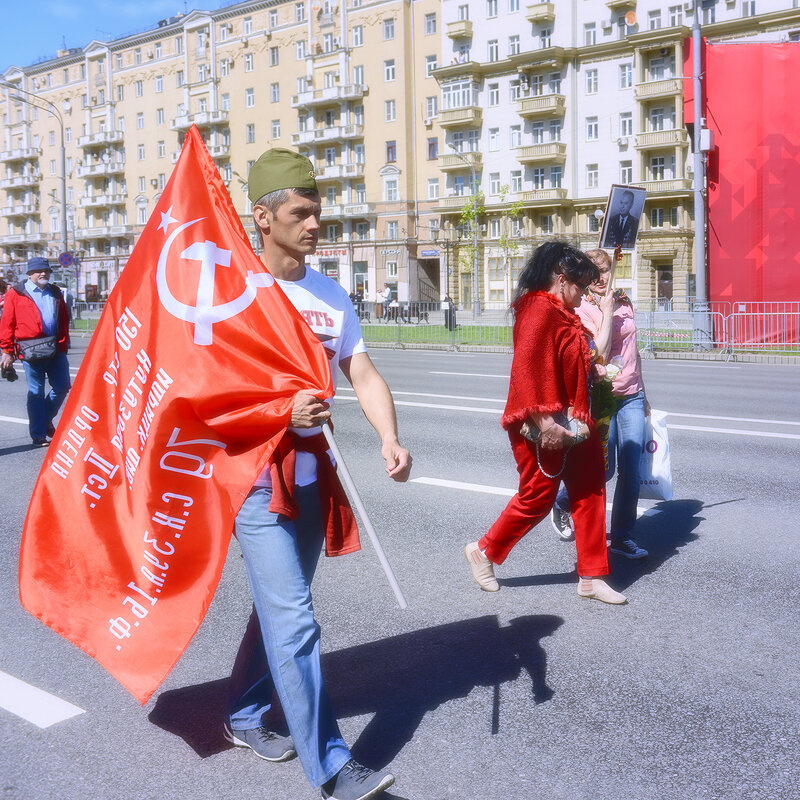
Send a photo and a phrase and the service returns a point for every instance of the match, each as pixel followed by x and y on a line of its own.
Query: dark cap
pixel 279 168
pixel 37 264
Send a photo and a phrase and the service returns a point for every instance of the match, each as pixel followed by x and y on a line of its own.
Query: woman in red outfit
pixel 550 373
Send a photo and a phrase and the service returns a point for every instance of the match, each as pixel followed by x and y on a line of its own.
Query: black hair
pixel 549 260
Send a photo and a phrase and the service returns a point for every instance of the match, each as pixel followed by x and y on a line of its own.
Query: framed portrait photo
pixel 623 214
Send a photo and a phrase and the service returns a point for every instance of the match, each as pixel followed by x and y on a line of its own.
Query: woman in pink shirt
pixel 610 318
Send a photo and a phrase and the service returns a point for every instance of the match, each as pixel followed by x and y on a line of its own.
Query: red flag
pixel 185 390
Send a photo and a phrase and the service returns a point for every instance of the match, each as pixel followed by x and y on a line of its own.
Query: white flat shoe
pixel 482 568
pixel 601 591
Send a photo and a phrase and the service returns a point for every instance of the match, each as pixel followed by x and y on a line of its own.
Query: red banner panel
pixel 753 105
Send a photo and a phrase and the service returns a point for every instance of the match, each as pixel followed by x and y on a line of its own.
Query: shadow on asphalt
pixel 551 579
pixel 397 680
pixel 19 448
pixel 667 527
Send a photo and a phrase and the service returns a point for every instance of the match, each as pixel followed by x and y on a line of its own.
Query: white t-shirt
pixel 327 308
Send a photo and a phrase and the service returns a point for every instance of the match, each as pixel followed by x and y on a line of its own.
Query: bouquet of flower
pixel 604 405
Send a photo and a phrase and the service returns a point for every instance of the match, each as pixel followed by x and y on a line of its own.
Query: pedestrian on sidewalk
pixel 34 327
pixel 608 314
pixel 297 503
pixel 550 381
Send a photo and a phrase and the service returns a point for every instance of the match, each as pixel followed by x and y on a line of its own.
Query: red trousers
pixel 584 477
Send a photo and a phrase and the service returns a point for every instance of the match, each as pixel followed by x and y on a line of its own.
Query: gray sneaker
pixel 263 742
pixel 562 524
pixel 355 782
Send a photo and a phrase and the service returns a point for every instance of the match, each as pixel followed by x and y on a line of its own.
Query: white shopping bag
pixel 655 475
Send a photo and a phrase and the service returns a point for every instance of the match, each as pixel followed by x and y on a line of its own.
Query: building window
pixel 138 88
pixel 392 229
pixel 555 83
pixel 555 130
pixel 675 16
pixel 249 133
pixel 362 231
pixel 388 70
pixel 247 26
pixel 274 93
pixel 299 12
pixel 358 35
pixel 545 38
pixel 592 176
pixel 139 121
pixel 162 148
pixel 273 18
pixel 389 110
pixel 276 129
pixel 516 136
pixel 463 13
pixel 513 5
pixel 249 98
pixel 494 94
pixel 625 76
pixel 494 139
pixel 140 152
pixel 391 194
pixel 657 117
pixel 589 34
pixel 556 177
pixel 358 74
pixel 591 129
pixel 709 11
pixel 159 83
pixel 273 56
pixel 391 151
pixel 179 79
pixel 513 45
pixel 546 223
pixel 248 61
pixel 430 65
pixel 430 24
pixel 537 132
pixel 120 92
pixel 674 216
pixel 656 217
pixel 388 29
pixel 626 123
pixel 494 228
pixel 591 81
pixel 537 176
pixel 493 52
pixel 433 148
pixel 516 181
pixel 491 8
pixel 626 172
pixel 225 102
pixel 494 183
pixel 654 19
pixel 224 67
pixel 431 106
pixel 391 269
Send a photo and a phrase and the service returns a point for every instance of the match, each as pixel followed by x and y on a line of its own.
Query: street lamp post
pixel 476 303
pixel 31 99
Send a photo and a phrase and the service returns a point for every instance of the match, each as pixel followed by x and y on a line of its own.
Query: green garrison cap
pixel 279 168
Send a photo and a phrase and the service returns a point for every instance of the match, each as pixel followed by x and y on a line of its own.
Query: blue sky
pixel 36 29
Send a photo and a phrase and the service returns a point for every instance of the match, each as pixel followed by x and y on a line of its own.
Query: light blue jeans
pixel 280 650
pixel 625 443
pixel 42 408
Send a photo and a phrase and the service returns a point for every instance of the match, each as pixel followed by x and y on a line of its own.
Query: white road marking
pixel 470 374
pixel 34 705
pixel 732 419
pixel 14 419
pixel 483 489
pixel 443 396
pixel 677 363
pixel 496 411
pixel 734 432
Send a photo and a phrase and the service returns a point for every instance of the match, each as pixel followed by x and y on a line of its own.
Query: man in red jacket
pixel 35 328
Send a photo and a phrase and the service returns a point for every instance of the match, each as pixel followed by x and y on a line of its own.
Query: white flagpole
pixel 362 512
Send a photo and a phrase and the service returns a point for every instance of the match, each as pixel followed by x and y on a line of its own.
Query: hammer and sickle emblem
pixel 204 314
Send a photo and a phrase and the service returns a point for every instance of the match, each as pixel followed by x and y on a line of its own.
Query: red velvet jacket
pixel 552 361
pixel 21 319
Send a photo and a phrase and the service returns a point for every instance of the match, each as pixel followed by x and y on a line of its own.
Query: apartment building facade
pixel 404 106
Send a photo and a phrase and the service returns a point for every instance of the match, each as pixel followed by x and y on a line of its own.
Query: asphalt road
pixel 690 691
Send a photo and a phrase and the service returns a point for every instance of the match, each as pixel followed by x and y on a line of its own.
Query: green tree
pixel 471 214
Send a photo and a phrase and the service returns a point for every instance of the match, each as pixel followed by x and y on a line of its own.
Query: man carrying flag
pixel 297 502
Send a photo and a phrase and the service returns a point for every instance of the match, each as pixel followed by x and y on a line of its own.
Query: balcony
pixel 669 186
pixel 656 140
pixel 539 13
pixel 538 153
pixel 101 139
pixel 460 30
pixel 543 197
pixel 664 88
pixel 20 154
pixel 457 117
pixel 24 238
pixel 359 210
pixel 452 204
pixel 546 105
pixel 20 209
pixel 620 5
pixel 102 169
pixel 331 212
pixel 450 162
pixel 331 94
pixel 219 150
pixel 21 181
pixel 205 119
pixel 100 200
pixel 338 172
pixel 332 134
pixel 104 232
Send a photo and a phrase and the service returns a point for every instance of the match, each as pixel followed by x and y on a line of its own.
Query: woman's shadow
pixel 397 680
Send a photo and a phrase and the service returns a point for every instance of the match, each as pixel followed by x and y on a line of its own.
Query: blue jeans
pixel 280 650
pixel 625 443
pixel 43 409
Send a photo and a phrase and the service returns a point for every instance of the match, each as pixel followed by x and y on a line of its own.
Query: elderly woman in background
pixel 550 376
pixel 609 316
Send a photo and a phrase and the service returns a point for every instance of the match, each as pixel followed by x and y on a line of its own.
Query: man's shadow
pixel 398 680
